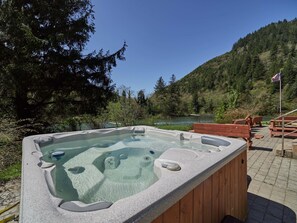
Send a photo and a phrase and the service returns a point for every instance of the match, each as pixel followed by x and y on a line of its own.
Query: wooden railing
pixel 286 122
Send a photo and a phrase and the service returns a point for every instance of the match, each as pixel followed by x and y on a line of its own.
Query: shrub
pixel 11 134
pixel 230 114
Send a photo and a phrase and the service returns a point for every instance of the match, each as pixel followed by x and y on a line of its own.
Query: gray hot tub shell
pixel 39 205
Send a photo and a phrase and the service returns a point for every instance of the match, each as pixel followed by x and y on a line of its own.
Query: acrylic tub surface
pixel 178 168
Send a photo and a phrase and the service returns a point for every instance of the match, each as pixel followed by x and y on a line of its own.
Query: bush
pixel 219 113
pixel 230 114
pixel 11 134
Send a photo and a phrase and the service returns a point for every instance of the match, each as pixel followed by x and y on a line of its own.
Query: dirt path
pixel 10 194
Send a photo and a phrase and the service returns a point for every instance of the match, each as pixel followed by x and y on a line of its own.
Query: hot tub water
pixel 113 169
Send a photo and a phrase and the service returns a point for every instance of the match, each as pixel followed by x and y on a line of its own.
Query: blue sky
pixel 166 37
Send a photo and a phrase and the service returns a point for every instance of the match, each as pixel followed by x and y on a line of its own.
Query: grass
pixel 11 172
pixel 11 134
pixel 265 123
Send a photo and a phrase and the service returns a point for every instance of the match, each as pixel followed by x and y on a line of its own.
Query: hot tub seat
pixel 77 206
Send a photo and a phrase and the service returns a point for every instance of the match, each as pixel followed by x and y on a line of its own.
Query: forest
pixel 245 72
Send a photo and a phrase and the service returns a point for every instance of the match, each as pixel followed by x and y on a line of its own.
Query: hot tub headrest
pixel 139 130
pixel 214 141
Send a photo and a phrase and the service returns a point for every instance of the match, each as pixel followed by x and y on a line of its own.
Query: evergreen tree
pixel 141 99
pixel 160 85
pixel 159 105
pixel 172 79
pixel 292 91
pixel 273 51
pixel 42 66
pixel 288 72
pixel 173 98
pixel 195 103
pixel 257 69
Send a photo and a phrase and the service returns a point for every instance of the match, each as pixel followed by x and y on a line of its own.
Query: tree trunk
pixel 22 106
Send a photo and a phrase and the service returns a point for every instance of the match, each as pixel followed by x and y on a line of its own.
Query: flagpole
pixel 280 113
pixel 275 78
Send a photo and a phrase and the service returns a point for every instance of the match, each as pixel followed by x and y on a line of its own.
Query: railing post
pixel 283 139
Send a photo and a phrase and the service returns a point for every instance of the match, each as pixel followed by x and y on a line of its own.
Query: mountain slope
pixel 247 70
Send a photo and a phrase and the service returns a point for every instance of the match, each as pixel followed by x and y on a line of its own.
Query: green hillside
pixel 244 74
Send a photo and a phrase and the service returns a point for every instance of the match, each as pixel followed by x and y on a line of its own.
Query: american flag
pixel 276 77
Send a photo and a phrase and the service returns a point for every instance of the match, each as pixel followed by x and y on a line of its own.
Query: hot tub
pixel 131 174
